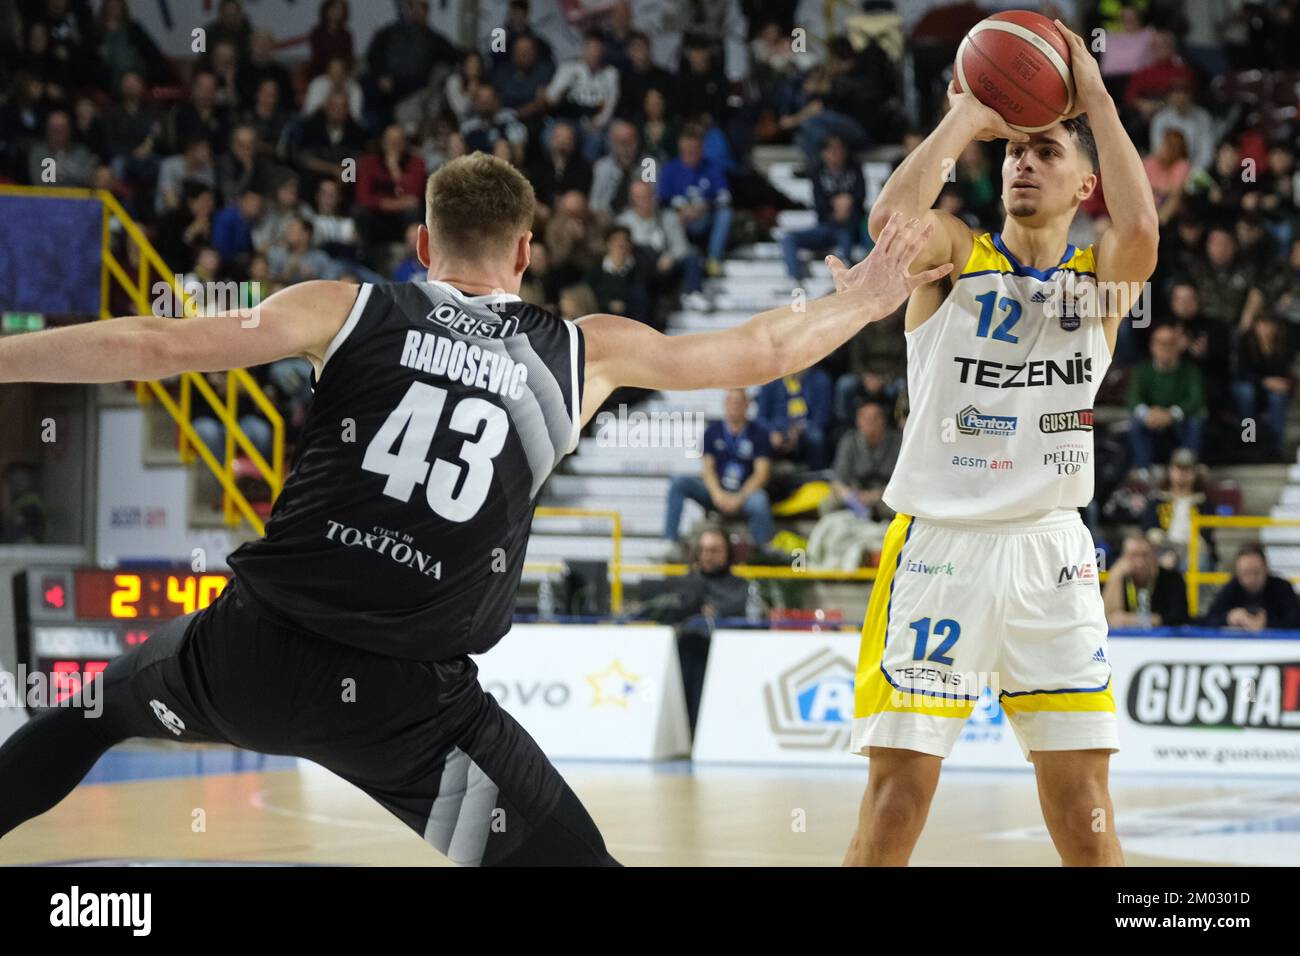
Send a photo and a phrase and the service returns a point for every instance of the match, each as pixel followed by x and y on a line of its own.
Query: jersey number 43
pixel 411 427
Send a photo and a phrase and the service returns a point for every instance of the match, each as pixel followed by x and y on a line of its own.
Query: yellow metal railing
pixel 149 270
pixel 1195 577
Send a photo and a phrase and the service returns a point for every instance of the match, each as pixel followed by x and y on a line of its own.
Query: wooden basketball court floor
pixel 158 803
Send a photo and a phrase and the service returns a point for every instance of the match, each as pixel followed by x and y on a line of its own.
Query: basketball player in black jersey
pixel 395 549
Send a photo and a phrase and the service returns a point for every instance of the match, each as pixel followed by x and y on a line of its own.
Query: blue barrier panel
pixel 50 255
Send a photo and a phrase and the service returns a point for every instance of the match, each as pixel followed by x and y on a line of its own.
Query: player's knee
pixel 899 805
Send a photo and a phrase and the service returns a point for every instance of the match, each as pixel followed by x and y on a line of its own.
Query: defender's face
pixel 1045 176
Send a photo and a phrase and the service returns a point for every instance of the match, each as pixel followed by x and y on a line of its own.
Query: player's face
pixel 1044 177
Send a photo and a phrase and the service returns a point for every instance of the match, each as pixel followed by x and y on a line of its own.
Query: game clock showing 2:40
pixel 70 622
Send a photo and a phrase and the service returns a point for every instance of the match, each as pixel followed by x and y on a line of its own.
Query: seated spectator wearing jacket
pixel 585 92
pixel 697 189
pixel 839 192
pixel 621 279
pixel 736 468
pixel 864 461
pixel 1261 379
pixel 1169 512
pixel 659 230
pixel 1254 599
pixel 1138 586
pixel 1167 400
pixel 795 411
pixel 390 188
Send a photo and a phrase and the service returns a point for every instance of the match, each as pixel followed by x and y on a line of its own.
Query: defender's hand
pixel 883 276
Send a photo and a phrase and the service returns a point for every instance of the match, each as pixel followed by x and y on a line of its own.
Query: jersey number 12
pixel 413 422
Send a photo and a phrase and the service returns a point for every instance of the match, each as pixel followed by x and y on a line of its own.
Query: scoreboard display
pixel 71 622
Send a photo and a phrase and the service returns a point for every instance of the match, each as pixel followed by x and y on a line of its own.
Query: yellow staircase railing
pixel 146 270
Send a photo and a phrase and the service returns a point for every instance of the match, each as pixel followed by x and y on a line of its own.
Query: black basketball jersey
pixel 403 525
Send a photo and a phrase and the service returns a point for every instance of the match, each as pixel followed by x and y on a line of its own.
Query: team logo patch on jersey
pixel 970 421
pixel 1070 323
pixel 1052 423
pixel 485 327
pixel 167 716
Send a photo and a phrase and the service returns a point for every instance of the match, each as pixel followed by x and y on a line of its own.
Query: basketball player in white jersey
pixel 988 576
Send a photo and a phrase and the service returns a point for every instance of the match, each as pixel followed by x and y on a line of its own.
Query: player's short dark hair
pixel 477 205
pixel 1079 128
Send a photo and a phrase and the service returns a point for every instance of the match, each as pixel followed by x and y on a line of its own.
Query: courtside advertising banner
pixel 587 691
pixel 1226 705
pixel 787 697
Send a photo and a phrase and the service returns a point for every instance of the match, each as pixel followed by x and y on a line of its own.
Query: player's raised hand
pixel 884 275
pixel 1088 86
pixel 988 121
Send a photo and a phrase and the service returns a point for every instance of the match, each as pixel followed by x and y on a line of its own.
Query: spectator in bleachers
pixel 1170 510
pixel 1226 282
pixel 577 300
pixel 232 229
pixel 573 239
pixel 463 84
pixel 182 231
pixel 638 77
pixel 231 26
pixel 228 71
pixel 267 118
pixel 199 115
pixel 621 279
pixel 839 193
pixel 517 25
pixel 692 602
pixel 585 92
pixel 1254 599
pixel 1283 288
pixel 242 167
pixel 39 57
pixel 262 67
pixel 1167 400
pixel 285 204
pixel 523 78
pixel 795 412
pixel 122 45
pixel 490 125
pixel 1207 342
pixel 660 231
pixel 401 56
pixel 212 430
pixel 390 188
pixel 328 138
pixel 877 365
pixel 330 39
pixel 58 160
pixel 701 86
pixel 864 461
pixel 133 131
pixel 697 189
pixel 1262 378
pixel 294 259
pixel 1149 86
pixel 736 467
pixel 614 172
pixel 1168 170
pixel 193 165
pixel 837 95
pixel 559 169
pixel 332 228
pixel 1197 126
pixel 1140 593
pixel 335 79
pixel 658 131
pixel 88 127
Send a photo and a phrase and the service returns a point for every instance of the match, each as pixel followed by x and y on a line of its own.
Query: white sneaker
pixel 697 302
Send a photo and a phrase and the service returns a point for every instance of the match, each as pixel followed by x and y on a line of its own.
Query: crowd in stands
pixel 249 161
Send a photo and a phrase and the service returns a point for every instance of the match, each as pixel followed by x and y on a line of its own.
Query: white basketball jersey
pixel 1001 383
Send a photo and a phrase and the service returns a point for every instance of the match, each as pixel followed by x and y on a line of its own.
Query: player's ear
pixel 422 245
pixel 1087 186
pixel 523 253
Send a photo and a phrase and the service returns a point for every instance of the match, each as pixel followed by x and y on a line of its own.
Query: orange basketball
pixel 1019 64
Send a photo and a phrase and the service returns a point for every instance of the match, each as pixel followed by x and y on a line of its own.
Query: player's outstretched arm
pixel 300 320
pixel 622 352
pixel 1126 254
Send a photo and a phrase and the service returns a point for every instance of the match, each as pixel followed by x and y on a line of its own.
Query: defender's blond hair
pixel 477 205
